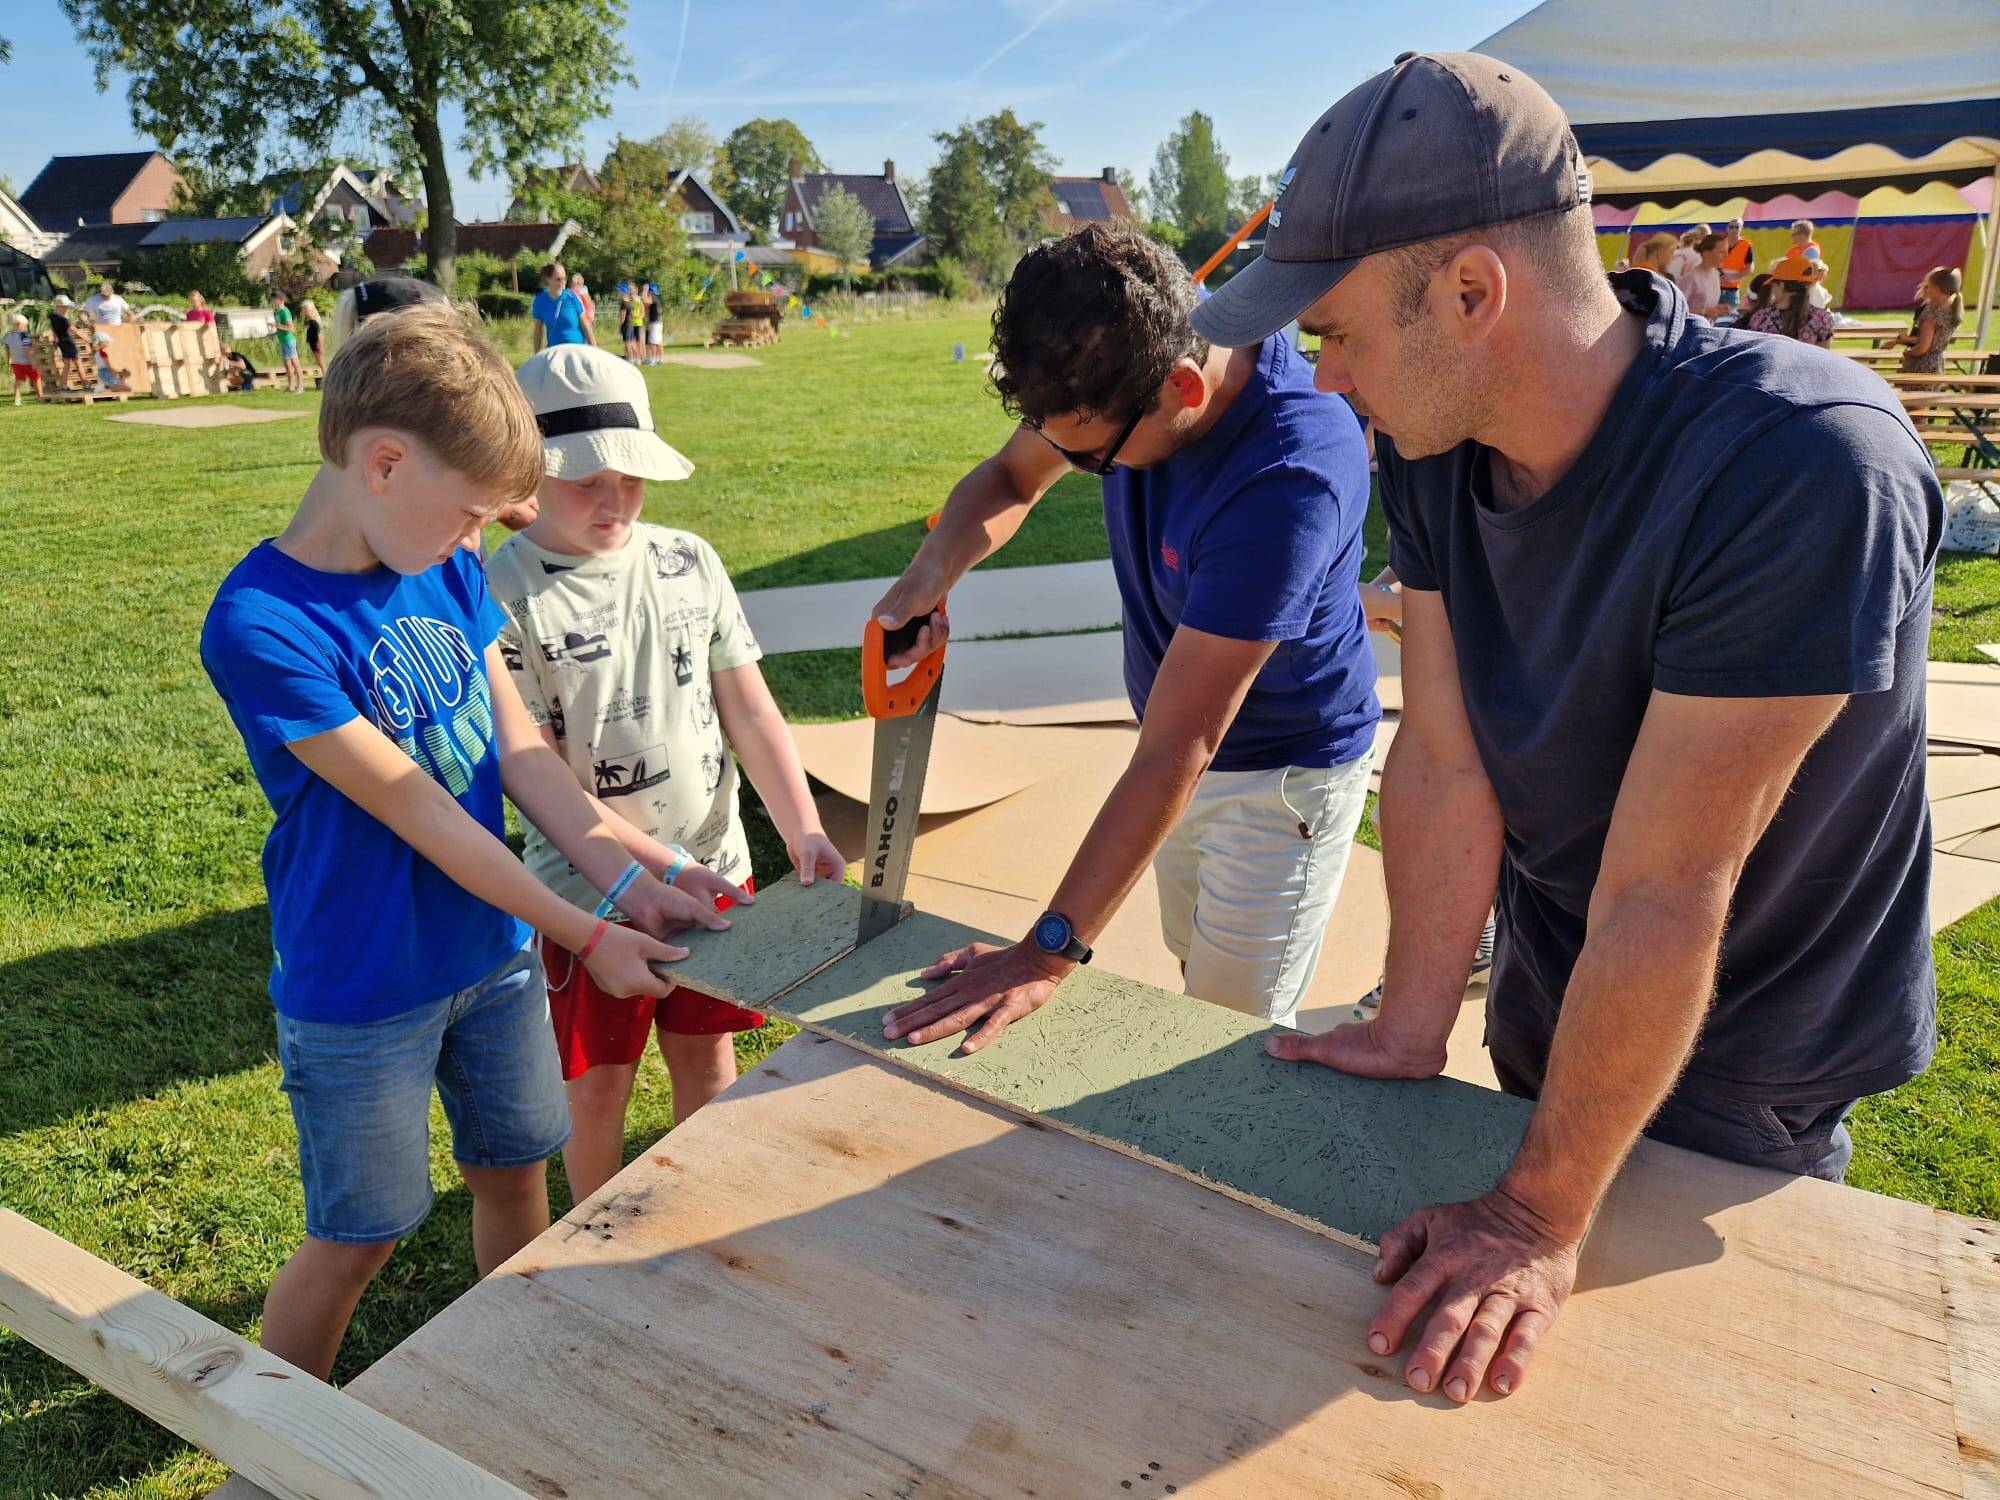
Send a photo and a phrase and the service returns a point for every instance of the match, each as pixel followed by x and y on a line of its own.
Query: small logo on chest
pixel 1170 557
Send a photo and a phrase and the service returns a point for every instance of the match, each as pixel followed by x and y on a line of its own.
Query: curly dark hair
pixel 1092 322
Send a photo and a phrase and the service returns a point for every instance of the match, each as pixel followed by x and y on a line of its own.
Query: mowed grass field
pixel 140 1114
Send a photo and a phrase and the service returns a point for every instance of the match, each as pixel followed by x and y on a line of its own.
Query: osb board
pixel 788 932
pixel 1188 1085
pixel 988 602
pixel 1960 884
pixel 971 765
pixel 838 1280
pixel 204 416
pixel 1058 679
pixel 1957 775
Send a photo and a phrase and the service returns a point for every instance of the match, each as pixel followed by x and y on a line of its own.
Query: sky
pixel 871 80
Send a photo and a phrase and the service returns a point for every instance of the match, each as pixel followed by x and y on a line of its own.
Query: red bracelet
pixel 596 937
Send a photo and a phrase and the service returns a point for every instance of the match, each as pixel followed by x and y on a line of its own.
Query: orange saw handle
pixel 882 699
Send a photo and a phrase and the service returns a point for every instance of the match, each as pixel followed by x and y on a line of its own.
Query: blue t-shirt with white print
pixel 363 926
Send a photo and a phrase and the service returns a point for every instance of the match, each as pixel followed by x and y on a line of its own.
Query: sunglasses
pixel 1090 463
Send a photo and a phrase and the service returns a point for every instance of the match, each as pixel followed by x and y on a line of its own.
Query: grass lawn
pixel 139 1111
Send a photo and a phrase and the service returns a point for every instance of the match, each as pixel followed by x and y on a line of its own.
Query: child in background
pixel 1756 297
pixel 234 366
pixel 1701 283
pixel 1939 310
pixel 357 655
pixel 1791 312
pixel 632 654
pixel 288 344
pixel 21 356
pixel 589 303
pixel 65 337
pixel 314 332
pixel 629 321
pixel 1687 254
pixel 656 326
pixel 1656 252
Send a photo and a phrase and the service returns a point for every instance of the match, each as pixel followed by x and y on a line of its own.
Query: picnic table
pixel 1969 360
pixel 1946 417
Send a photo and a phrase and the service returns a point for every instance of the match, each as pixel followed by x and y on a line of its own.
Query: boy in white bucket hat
pixel 632 654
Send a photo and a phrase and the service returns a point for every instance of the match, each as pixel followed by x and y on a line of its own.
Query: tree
pixel 688 142
pixel 203 193
pixel 1018 165
pixel 846 230
pixel 639 234
pixel 1247 196
pixel 222 80
pixel 755 166
pixel 961 215
pixel 1191 187
pixel 540 199
pixel 1135 194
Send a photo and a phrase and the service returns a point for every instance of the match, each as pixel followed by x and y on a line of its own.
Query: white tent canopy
pixel 1710 98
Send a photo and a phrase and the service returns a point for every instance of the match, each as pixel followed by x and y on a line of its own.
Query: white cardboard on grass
pixel 971 765
pixel 1960 884
pixel 991 601
pixel 1058 679
pixel 1963 703
pixel 1947 776
pixel 203 416
pixel 1956 817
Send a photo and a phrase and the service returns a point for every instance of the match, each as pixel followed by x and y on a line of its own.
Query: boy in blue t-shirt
pixel 558 311
pixel 357 655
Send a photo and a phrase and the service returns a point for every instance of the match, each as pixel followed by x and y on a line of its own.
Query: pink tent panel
pixel 1890 257
pixel 1789 206
pixel 1607 217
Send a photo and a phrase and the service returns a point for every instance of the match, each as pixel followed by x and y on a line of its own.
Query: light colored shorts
pixel 656 333
pixel 1248 879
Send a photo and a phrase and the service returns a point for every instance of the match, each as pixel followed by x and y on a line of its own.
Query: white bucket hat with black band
pixel 594 415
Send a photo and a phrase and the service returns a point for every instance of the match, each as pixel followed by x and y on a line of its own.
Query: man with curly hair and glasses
pixel 1234 495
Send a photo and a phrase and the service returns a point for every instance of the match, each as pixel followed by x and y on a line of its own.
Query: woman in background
pixel 1939 311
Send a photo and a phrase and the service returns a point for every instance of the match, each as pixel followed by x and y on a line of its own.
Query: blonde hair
pixel 1657 247
pixel 1802 226
pixel 425 372
pixel 19 320
pixel 1948 280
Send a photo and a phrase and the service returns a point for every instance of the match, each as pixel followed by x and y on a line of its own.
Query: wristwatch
pixel 1054 935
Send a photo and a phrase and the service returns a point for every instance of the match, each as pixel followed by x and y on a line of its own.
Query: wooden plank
pixel 1969 1260
pixel 840 1279
pixel 789 932
pixel 293 1434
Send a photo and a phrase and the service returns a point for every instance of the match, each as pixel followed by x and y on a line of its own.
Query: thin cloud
pixel 680 51
pixel 1125 49
pixel 1015 40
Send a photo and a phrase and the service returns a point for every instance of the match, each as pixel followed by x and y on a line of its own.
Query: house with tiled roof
pixel 340 200
pixel 1087 200
pixel 570 177
pixel 120 249
pixel 116 187
pixel 898 242
pixel 391 249
pixel 19 229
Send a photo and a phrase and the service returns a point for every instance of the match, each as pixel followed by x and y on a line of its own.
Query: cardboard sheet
pixel 971 765
pixel 1985 845
pixel 710 360
pixel 1960 884
pixel 1058 679
pixel 1059 597
pixel 1957 775
pixel 203 416
pixel 1955 817
pixel 1963 703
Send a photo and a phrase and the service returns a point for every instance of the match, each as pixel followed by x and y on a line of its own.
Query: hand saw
pixel 905 715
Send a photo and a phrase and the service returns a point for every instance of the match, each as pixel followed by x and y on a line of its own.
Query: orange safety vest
pixel 1735 261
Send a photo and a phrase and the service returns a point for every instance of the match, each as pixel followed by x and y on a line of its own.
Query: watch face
pixel 1052 933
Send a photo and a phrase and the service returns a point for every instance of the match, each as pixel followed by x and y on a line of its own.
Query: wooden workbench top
pixel 841 1279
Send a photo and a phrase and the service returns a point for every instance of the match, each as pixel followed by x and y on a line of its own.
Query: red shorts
pixel 593 1027
pixel 27 372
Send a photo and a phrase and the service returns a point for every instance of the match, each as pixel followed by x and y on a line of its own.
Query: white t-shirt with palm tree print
pixel 616 654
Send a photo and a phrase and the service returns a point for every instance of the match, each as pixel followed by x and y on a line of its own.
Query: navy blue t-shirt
pixel 363 926
pixel 1254 532
pixel 1753 518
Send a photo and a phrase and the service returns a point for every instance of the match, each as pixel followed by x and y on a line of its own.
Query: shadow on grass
pixel 92 1027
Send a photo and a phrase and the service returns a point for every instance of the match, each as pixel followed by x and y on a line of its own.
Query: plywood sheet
pixel 971 765
pixel 838 1280
pixel 206 416
pixel 1959 885
pixel 1969 1262
pixel 1956 775
pixel 1058 679
pixel 1040 600
pixel 1189 1085
pixel 705 360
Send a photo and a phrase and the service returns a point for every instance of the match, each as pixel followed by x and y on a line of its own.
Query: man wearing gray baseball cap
pixel 1667 601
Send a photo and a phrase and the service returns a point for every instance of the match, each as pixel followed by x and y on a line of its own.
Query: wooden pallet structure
pixel 753 319
pixel 875 1269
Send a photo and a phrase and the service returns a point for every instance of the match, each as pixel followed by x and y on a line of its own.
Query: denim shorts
pixel 361 1098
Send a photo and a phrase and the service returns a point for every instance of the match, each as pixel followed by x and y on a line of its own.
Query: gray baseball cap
pixel 1440 144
